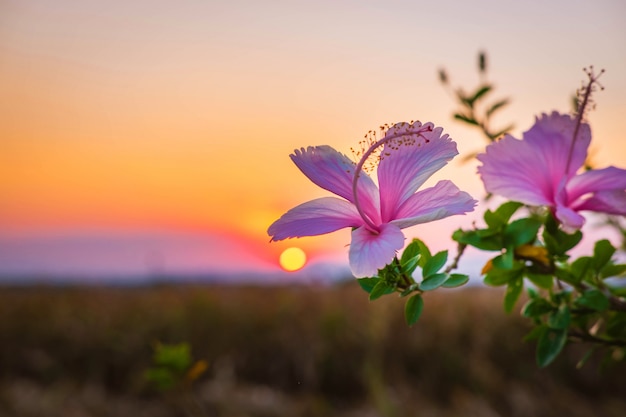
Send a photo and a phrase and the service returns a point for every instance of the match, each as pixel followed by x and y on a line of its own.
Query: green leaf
pixel 541 280
pixel 505 260
pixel 433 281
pixel 413 309
pixel 500 217
pixel 479 93
pixel 557 241
pixel 521 231
pixel 161 378
pixel 513 291
pixel 561 297
pixel 492 220
pixel 552 244
pixel 367 284
pixel 552 224
pixel 423 251
pixel 602 253
pixel 497 276
pixel 496 106
pixel 410 257
pixel 581 268
pixel 466 119
pixel 506 210
pixel 434 264
pixel 481 239
pixel 560 318
pixel 455 280
pixel 381 288
pixel 612 270
pixel 411 251
pixel 174 357
pixel 593 299
pixel 549 346
pixel 410 266
pixel 565 275
pixel 568 241
pixel 537 307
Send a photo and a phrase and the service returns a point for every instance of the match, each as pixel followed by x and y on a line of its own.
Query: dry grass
pixel 285 351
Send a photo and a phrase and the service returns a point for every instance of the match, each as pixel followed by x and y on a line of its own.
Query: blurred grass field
pixel 286 351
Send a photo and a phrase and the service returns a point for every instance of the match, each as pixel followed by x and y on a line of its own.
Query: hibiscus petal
pixel 606 179
pixel 408 161
pixel 510 169
pixel 552 136
pixel 443 200
pixel 315 217
pixel 370 252
pixel 570 220
pixel 334 172
pixel 610 202
pixel 531 169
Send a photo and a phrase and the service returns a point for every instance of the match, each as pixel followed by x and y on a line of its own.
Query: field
pixel 286 351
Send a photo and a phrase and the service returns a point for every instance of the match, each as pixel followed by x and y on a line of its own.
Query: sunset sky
pixel 153 136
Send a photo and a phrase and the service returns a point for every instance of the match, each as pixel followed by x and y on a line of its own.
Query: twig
pixel 457 258
pixel 594 339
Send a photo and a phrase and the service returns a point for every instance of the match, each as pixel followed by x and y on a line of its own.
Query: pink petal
pixel 510 169
pixel 606 179
pixel 316 217
pixel 370 252
pixel 610 202
pixel 552 136
pixel 334 172
pixel 531 169
pixel 408 161
pixel 570 220
pixel 442 200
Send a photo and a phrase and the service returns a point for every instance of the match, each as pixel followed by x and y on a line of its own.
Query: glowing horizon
pixel 148 117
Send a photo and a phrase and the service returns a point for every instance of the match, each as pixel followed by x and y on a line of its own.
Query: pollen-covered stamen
pixel 583 96
pixel 369 139
pixel 396 136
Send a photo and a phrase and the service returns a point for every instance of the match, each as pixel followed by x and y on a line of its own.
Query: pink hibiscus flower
pixel 410 154
pixel 541 170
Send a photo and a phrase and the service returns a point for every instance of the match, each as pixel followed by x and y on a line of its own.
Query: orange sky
pixel 155 117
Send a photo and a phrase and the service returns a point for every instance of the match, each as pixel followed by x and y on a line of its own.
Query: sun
pixel 292 259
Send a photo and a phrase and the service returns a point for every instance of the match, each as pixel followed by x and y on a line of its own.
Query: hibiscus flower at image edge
pixel 541 169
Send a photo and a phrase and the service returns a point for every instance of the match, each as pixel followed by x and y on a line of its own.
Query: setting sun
pixel 292 259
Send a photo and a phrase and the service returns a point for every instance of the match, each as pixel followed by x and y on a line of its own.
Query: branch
pixel 457 258
pixel 586 337
pixel 617 303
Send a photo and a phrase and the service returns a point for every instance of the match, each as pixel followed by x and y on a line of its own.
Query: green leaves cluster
pixel 569 299
pixel 581 299
pixel 509 238
pixel 398 277
pixel 474 109
pixel 173 366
